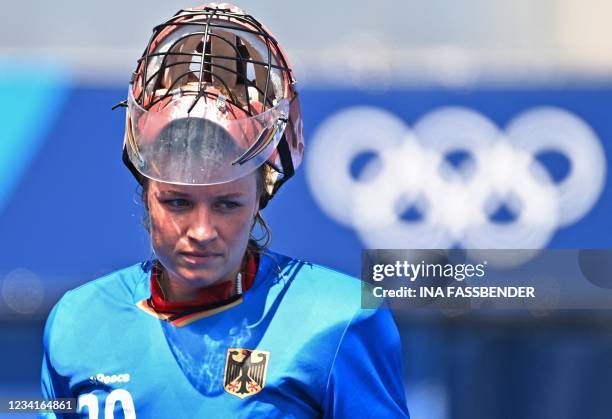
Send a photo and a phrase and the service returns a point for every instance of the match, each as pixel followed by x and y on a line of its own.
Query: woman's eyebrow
pixel 230 195
pixel 173 192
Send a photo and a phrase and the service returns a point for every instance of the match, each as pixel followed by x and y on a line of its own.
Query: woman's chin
pixel 200 277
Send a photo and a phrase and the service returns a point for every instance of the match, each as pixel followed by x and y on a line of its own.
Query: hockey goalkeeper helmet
pixel 212 99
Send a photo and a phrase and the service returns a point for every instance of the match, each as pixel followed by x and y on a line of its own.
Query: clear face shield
pixel 193 140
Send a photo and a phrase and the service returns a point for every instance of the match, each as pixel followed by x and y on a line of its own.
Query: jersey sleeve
pixel 365 379
pixel 53 385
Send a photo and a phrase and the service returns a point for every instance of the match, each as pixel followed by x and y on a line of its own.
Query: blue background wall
pixel 69 212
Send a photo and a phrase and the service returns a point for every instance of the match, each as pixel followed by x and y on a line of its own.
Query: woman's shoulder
pixel 79 312
pixel 315 274
pixel 319 286
pixel 325 302
pixel 121 286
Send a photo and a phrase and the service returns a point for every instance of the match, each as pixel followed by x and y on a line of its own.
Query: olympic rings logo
pixel 410 171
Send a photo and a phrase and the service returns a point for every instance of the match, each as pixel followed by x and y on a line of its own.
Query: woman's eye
pixel 177 203
pixel 228 205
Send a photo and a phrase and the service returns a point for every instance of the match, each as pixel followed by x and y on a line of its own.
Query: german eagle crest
pixel 245 371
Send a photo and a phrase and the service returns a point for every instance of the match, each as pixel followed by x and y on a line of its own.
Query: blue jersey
pixel 296 344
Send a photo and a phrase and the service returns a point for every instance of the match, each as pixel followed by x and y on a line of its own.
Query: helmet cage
pixel 226 57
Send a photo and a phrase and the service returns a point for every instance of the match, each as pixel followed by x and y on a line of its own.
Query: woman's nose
pixel 202 226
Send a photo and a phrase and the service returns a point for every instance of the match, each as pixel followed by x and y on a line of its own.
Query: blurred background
pixel 453 79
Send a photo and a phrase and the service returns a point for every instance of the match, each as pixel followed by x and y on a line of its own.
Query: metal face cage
pixel 212 53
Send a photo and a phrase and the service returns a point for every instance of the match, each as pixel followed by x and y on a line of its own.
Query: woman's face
pixel 200 233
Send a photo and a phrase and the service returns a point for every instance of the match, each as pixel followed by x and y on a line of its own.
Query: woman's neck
pixel 173 296
pixel 177 289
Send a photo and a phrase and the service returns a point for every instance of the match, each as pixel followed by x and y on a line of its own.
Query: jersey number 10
pixel 90 401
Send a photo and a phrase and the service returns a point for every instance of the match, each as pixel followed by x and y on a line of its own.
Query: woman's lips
pixel 200 257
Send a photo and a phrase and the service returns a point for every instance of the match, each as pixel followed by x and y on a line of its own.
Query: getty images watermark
pixel 553 279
